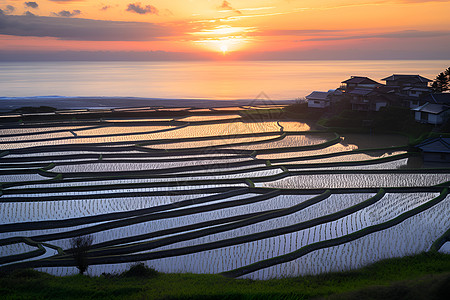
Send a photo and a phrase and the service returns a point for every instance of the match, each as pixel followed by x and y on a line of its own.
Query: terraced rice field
pixel 212 195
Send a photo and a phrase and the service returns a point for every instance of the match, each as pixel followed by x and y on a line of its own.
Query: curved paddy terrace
pixel 213 194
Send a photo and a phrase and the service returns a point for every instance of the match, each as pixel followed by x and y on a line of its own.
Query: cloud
pixel 224 30
pixel 9 9
pixel 29 14
pixel 295 32
pixel 82 29
pixel 68 14
pixel 137 8
pixel 31 4
pixel 390 35
pixel 106 7
pixel 29 55
pixel 227 6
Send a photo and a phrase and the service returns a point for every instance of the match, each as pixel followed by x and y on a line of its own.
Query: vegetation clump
pixel 442 82
pixel 422 276
pixel 140 270
pixel 80 246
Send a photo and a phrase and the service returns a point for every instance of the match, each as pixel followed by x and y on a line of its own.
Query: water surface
pixel 280 80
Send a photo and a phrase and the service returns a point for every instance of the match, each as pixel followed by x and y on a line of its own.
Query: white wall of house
pixel 379 105
pixel 429 118
pixel 434 119
pixel 318 103
pixel 417 115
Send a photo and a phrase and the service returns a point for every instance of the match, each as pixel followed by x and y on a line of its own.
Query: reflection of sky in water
pixel 209 80
pixel 421 230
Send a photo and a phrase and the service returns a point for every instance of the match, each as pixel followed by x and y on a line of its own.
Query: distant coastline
pixel 8 104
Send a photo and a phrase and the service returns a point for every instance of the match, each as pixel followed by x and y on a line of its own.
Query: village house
pixel 401 81
pixel 432 113
pixel 409 88
pixel 319 99
pixel 435 150
pixel 358 82
pixel 357 90
pixel 366 94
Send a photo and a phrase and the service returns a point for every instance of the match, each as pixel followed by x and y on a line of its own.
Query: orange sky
pixel 263 29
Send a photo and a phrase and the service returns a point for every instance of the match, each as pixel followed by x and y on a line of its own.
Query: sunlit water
pixel 280 80
pixel 32 201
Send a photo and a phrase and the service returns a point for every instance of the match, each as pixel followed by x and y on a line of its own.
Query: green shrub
pixel 140 270
pixel 26 274
pixel 80 246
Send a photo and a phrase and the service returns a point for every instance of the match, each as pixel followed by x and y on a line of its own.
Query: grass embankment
pixel 424 276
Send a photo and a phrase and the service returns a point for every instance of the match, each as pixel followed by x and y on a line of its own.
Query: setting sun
pixel 224 49
pixel 271 29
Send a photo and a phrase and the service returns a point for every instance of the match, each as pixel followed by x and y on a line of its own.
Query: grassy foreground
pixel 423 276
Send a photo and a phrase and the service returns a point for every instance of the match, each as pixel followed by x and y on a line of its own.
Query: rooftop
pixel 404 77
pixel 440 144
pixel 318 96
pixel 443 98
pixel 360 80
pixel 432 108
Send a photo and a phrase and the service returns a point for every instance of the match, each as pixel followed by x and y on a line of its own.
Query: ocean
pixel 221 80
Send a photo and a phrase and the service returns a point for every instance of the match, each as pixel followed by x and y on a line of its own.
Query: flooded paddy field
pixel 212 194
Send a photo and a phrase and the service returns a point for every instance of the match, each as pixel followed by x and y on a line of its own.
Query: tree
pixel 442 82
pixel 80 246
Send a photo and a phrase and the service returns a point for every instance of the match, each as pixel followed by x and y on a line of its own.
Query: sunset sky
pixel 214 29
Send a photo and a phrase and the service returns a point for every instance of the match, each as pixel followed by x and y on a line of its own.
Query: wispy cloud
pixel 242 16
pixel 257 8
pixel 389 35
pixel 139 9
pixel 295 32
pixel 32 4
pixel 9 9
pixel 82 29
pixel 224 30
pixel 68 14
pixel 226 6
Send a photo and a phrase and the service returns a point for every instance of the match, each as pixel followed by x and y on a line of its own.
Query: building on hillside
pixel 432 113
pixel 409 88
pixel 319 99
pixel 359 98
pixel 372 99
pixel 365 94
pixel 358 82
pixel 323 99
pixel 401 81
pixel 435 150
